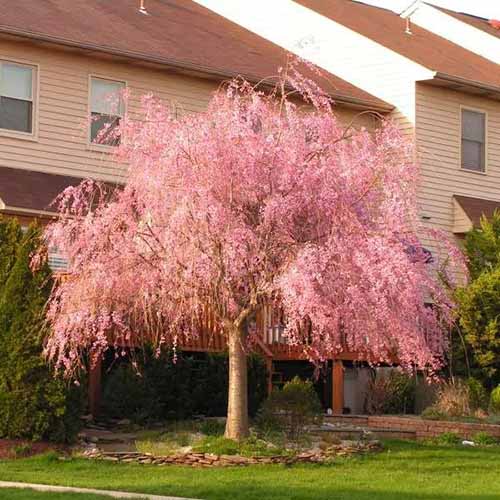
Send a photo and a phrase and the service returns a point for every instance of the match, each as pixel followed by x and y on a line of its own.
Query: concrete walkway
pixel 66 489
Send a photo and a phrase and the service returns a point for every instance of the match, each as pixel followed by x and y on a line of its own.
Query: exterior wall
pixel 60 144
pixel 438 132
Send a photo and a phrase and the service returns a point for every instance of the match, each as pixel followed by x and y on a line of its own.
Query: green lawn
pixel 15 494
pixel 405 471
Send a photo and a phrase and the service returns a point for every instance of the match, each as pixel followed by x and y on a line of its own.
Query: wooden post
pixel 337 387
pixel 95 388
pixel 269 368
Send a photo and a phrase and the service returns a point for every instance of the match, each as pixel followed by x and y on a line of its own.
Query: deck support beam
pixel 337 387
pixel 95 387
pixel 269 369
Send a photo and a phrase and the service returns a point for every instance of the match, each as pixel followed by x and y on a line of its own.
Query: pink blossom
pixel 258 198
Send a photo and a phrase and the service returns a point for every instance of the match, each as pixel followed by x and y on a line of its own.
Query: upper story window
pixel 16 96
pixel 106 110
pixel 473 140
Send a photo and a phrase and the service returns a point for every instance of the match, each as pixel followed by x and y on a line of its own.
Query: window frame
pixel 96 76
pixel 485 114
pixel 35 94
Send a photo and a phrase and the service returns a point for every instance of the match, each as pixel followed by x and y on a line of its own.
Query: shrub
pixel 484 439
pixel 392 394
pixel 448 438
pixel 34 404
pixel 160 389
pixel 495 400
pixel 478 397
pixel 290 409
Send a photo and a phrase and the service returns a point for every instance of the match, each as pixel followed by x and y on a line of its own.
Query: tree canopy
pixel 260 198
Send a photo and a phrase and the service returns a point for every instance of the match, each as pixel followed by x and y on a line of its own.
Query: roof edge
pixel 207 70
pixel 26 211
pixel 466 82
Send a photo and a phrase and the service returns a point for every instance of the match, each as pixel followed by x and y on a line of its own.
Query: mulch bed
pixel 28 448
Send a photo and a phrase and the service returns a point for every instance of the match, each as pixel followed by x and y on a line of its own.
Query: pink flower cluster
pixel 261 197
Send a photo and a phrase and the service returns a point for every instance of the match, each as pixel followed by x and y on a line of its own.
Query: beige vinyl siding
pixel 438 131
pixel 62 108
pixel 461 223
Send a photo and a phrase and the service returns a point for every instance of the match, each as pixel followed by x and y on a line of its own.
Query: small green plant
pixel 495 400
pixel 250 447
pixel 484 439
pixel 22 450
pixel 291 409
pixel 448 439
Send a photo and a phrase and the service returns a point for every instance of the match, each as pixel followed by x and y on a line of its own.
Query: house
pixel 58 58
pixel 443 82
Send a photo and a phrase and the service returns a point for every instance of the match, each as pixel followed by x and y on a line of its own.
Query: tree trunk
pixel 237 403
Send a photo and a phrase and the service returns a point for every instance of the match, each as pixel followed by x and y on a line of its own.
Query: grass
pixel 16 494
pixel 404 471
pixel 202 438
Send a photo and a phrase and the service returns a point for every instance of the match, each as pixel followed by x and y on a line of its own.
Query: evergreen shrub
pixel 158 388
pixel 34 404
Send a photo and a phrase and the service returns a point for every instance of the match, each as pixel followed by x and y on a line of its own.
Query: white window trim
pixel 103 148
pixel 485 113
pixel 35 94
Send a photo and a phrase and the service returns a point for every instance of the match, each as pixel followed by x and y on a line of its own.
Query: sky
pixel 489 9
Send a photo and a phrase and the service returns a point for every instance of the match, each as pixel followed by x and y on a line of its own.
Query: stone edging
pixel 211 460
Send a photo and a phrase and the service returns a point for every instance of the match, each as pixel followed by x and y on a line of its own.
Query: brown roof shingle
pixel 475 208
pixel 388 29
pixel 476 22
pixel 178 33
pixel 30 190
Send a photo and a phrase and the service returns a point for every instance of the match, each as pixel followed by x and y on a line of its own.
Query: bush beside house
pixel 147 388
pixel 33 403
pixel 479 301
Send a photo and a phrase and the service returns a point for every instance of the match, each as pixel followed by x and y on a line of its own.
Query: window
pixel 473 140
pixel 16 97
pixel 106 110
pixel 57 261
